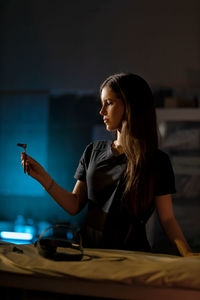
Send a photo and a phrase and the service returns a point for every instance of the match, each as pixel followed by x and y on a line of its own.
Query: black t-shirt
pixel 102 172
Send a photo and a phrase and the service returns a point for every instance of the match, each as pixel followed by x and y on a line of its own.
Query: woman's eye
pixel 108 102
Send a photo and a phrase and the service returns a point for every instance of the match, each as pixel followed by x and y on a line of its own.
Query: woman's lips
pixel 105 120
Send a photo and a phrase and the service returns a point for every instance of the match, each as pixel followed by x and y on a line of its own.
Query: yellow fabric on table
pixel 108 265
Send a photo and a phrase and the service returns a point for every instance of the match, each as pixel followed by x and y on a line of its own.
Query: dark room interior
pixel 54 55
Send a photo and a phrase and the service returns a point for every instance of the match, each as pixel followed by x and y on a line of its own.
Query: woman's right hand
pixel 32 167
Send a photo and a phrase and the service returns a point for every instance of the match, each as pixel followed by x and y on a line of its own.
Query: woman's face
pixel 112 109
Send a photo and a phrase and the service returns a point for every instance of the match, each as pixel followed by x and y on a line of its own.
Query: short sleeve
pixel 81 170
pixel 165 179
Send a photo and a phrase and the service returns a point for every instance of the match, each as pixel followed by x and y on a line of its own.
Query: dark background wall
pixel 53 57
pixel 74 44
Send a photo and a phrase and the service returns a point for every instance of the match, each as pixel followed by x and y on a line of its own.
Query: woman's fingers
pixel 25 162
pixel 193 254
pixel 25 156
pixel 32 167
pixel 27 167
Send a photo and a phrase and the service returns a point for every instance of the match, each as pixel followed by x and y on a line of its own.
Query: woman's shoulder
pixel 162 155
pixel 96 149
pixel 99 145
pixel 162 159
pixel 165 177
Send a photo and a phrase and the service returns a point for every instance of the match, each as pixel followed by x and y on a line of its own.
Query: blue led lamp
pixel 61 243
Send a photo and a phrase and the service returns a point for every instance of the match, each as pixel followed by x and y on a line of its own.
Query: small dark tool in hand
pixel 24 146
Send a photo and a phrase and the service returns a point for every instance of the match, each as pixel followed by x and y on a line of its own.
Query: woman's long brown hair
pixel 139 138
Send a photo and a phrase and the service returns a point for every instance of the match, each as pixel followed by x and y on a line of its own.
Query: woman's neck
pixel 118 141
pixel 117 147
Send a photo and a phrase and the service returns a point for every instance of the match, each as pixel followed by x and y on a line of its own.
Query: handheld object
pixel 24 147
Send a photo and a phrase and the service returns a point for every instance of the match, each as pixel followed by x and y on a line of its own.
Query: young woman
pixel 124 180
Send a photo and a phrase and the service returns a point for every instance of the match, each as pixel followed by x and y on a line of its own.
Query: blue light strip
pixel 16 235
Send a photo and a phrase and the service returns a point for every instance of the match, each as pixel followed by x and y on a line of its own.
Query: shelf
pixel 178 114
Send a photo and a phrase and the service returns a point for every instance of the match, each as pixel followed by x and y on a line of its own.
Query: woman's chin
pixel 110 128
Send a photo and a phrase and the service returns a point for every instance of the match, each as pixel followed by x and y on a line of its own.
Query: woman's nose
pixel 102 111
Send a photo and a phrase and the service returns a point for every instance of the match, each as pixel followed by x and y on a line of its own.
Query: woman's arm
pixel 72 202
pixel 170 225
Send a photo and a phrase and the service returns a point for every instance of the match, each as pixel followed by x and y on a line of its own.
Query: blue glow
pixel 16 235
pixel 23 119
pixel 25 228
pixel 17 242
pixel 69 235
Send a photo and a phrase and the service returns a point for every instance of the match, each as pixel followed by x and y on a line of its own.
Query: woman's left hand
pixel 190 253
